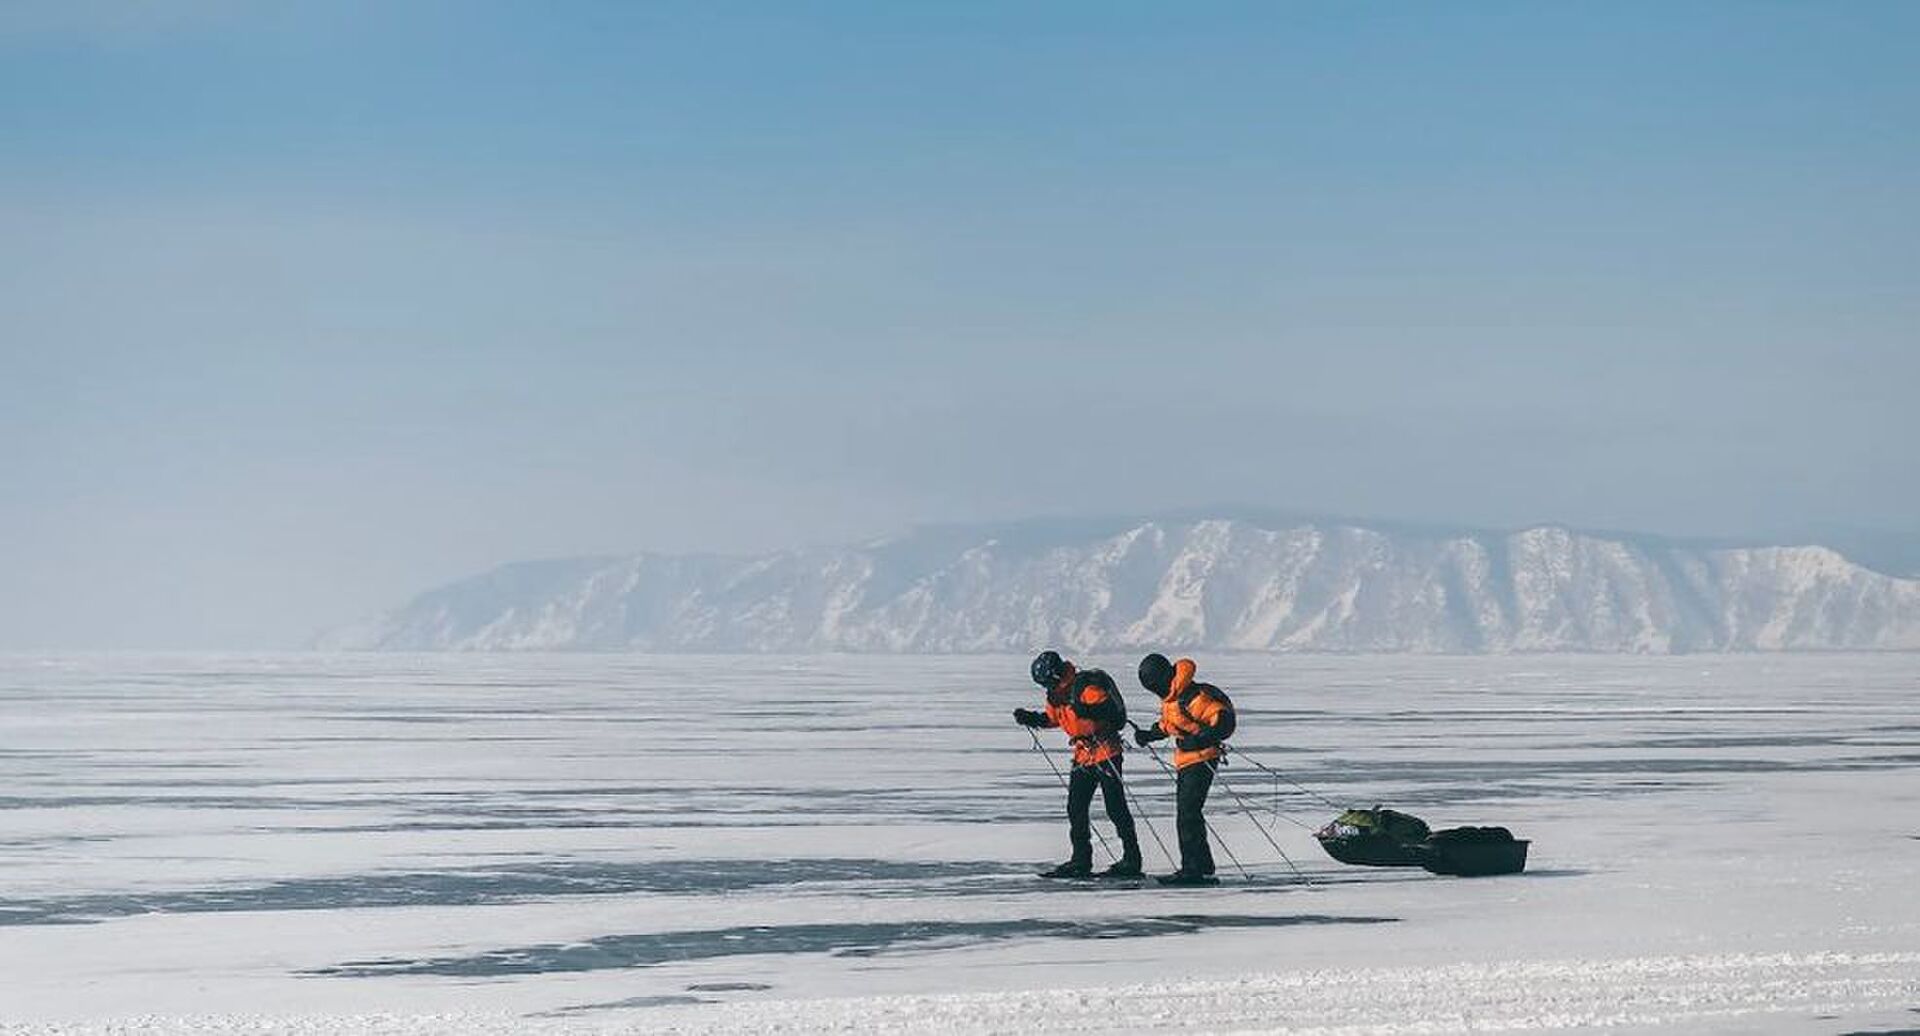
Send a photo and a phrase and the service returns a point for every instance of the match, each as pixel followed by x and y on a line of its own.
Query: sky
pixel 308 306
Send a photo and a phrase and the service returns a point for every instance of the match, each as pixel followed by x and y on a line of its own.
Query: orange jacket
pixel 1089 714
pixel 1193 709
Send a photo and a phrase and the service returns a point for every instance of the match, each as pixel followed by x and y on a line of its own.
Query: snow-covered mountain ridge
pixel 1219 583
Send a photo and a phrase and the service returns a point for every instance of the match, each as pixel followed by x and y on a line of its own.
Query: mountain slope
pixel 1176 584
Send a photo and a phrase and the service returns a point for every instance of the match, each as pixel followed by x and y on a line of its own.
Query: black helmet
pixel 1156 674
pixel 1048 669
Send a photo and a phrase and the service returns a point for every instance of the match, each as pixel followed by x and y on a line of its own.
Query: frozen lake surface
pixel 309 843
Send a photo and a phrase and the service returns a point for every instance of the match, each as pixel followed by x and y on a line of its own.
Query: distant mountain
pixel 1883 550
pixel 1239 583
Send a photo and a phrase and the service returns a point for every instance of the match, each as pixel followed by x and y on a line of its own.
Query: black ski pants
pixel 1104 775
pixel 1190 786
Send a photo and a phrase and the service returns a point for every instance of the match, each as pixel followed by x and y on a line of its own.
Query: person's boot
pixel 1070 869
pixel 1128 866
pixel 1187 878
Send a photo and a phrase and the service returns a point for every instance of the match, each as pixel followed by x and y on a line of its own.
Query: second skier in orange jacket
pixel 1199 717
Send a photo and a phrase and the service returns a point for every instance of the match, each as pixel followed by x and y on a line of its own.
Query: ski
pixel 1188 880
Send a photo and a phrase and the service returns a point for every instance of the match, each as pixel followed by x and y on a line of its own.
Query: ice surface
pixel 311 843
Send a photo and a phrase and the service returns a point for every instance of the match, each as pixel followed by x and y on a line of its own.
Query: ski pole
pixel 1244 808
pixel 1142 810
pixel 1210 829
pixel 1069 789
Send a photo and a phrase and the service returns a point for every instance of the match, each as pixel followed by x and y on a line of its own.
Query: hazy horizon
pixel 309 307
pixel 1884 551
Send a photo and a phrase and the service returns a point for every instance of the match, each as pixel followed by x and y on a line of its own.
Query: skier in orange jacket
pixel 1199 717
pixel 1087 707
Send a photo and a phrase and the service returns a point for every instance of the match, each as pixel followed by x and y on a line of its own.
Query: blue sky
pixel 308 305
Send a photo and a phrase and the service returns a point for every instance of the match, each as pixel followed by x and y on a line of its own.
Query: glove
pixel 1144 736
pixel 1029 718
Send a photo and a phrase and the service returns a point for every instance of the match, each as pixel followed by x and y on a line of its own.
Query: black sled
pixel 1374 838
pixel 1386 838
pixel 1474 852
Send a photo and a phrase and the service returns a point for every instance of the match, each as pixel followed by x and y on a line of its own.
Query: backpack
pixel 1115 710
pixel 1193 691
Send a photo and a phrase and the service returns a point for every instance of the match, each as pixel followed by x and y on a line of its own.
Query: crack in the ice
pixel 503 883
pixel 663 1000
pixel 840 940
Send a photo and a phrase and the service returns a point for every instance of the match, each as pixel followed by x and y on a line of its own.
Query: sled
pixel 1474 852
pixel 1374 837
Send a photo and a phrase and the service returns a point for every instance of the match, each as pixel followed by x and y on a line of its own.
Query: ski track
pixel 410 844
